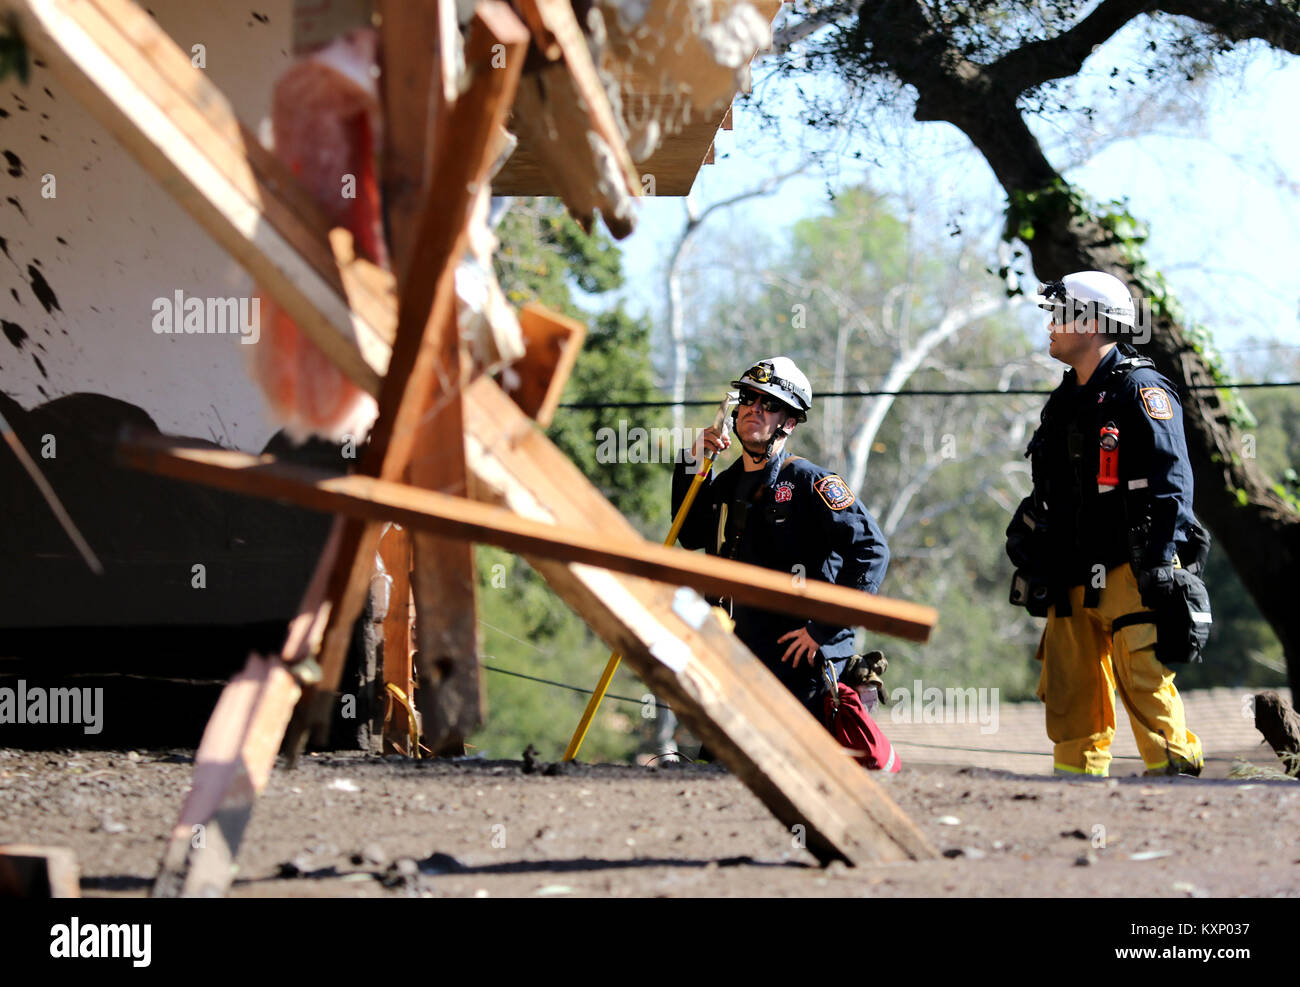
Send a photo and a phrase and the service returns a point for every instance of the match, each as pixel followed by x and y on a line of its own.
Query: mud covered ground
pixel 352 825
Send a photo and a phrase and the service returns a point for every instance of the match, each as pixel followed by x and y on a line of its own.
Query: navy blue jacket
pixel 1089 524
pixel 804 521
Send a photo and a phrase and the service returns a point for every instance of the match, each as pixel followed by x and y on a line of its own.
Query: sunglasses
pixel 768 403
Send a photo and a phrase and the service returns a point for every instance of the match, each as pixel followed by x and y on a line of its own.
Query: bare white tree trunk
pixel 676 317
pixel 676 311
pixel 903 368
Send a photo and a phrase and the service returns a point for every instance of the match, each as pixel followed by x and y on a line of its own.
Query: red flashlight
pixel 1108 458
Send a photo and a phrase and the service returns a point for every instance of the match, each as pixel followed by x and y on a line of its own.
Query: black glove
pixel 1024 539
pixel 1156 584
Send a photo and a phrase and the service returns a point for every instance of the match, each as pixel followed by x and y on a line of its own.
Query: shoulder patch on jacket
pixel 1156 402
pixel 834 491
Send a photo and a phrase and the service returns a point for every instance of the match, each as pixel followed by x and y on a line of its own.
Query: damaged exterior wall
pixel 85 276
pixel 84 267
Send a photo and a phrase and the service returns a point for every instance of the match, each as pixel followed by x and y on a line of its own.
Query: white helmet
pixel 779 377
pixel 1088 293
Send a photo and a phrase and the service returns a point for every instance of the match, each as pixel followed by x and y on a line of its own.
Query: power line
pixel 565 685
pixel 919 392
pixel 967 367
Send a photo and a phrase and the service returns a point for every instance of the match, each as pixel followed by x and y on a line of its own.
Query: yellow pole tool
pixel 722 423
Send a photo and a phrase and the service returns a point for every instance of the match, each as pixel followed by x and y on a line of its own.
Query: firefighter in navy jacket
pixel 1097 542
pixel 782 512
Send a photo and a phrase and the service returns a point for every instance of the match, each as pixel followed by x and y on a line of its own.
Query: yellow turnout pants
pixel 1084 662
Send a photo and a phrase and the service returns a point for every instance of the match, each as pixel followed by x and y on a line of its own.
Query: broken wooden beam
pixel 456 517
pixel 564 114
pixel 231 768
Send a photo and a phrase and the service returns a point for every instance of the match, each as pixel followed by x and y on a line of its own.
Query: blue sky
pixel 1218 187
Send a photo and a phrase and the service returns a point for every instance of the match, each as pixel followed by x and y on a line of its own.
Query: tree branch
pixel 1037 62
pixel 676 326
pixel 1276 23
pixel 903 368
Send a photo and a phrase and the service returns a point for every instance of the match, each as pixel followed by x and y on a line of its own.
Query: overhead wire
pixel 914 392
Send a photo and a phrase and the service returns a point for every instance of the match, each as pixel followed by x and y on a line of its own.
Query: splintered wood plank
pixel 423 380
pixel 231 768
pixel 552 343
pixel 145 92
pixel 563 115
pixel 561 28
pixel 237 752
pixel 586 542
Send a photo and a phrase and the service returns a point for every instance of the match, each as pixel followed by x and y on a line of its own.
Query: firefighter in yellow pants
pixel 1097 544
pixel 1085 663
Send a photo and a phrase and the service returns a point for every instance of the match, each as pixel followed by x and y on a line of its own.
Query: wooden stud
pixel 415 81
pixel 395 550
pixel 450 688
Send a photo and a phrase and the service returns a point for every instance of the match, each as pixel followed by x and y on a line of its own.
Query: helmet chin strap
pixel 779 433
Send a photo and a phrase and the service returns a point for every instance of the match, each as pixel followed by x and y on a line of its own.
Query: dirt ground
pixel 359 826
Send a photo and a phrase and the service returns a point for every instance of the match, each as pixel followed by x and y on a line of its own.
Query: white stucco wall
pixel 110 241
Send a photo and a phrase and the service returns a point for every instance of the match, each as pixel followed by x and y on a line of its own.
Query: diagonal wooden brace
pixel 457 518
